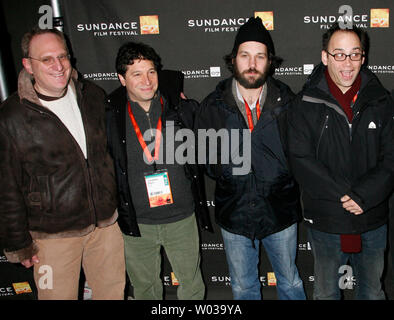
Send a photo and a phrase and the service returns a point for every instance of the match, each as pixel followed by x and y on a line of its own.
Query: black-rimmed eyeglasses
pixel 340 56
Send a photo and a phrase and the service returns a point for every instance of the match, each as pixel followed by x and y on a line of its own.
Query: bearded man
pixel 260 205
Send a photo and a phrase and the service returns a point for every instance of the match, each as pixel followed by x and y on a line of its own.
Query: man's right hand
pixel 30 262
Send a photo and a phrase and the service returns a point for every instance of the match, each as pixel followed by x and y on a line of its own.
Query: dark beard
pixel 250 84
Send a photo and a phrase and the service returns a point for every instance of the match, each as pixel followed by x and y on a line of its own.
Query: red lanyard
pixel 354 99
pixel 141 139
pixel 249 114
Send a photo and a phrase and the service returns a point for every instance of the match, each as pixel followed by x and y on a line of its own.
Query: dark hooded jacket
pixel 331 158
pixel 264 200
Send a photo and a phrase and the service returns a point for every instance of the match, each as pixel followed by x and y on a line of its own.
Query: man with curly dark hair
pixel 159 199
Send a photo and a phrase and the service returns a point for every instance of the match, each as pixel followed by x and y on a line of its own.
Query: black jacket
pixel 182 114
pixel 265 200
pixel 330 158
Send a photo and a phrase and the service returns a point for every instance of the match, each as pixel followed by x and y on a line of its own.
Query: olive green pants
pixel 180 241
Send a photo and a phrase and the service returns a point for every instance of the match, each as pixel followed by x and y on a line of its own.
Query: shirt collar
pixel 240 98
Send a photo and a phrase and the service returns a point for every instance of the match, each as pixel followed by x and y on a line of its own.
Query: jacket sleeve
pixel 313 177
pixel 187 113
pixel 204 121
pixel 18 244
pixel 377 184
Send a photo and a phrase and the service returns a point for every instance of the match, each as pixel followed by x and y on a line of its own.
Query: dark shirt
pixel 183 205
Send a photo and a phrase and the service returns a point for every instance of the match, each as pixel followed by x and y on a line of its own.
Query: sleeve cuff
pixel 21 254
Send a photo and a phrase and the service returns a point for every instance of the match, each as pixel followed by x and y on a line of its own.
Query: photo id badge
pixel 159 189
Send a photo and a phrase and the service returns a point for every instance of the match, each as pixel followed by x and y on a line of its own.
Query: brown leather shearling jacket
pixel 48 189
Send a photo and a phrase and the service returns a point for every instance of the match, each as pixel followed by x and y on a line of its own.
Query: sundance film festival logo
pixel 230 24
pixel 147 25
pixel 101 76
pixel 170 280
pixel 289 71
pixel 217 24
pixel 380 18
pixel 109 29
pixel 212 246
pixel 306 69
pixel 267 17
pixel 22 287
pixel 212 72
pixel 6 291
pixel 221 280
pixel 305 246
pixel 345 18
pixel 381 69
pixel 270 280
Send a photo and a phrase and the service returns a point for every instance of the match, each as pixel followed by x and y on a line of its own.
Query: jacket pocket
pixel 40 193
pixel 284 196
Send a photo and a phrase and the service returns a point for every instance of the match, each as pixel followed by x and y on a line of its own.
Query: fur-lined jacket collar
pixel 26 88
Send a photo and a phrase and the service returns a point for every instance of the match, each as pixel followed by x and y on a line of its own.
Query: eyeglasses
pixel 356 56
pixel 48 61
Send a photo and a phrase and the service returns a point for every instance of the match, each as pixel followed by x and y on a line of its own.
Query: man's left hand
pixel 350 205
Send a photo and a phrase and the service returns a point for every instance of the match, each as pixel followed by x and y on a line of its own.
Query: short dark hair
pixel 35 31
pixel 361 34
pixel 276 61
pixel 131 51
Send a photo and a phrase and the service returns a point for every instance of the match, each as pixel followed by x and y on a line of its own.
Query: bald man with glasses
pixel 342 155
pixel 57 195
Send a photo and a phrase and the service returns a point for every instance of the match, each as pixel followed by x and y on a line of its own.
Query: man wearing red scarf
pixel 342 154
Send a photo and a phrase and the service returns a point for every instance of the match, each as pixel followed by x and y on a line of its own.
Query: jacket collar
pixel 117 99
pixel 316 84
pixel 277 94
pixel 26 89
pixel 224 92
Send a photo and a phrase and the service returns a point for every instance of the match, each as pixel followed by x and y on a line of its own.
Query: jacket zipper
pixel 351 125
pixel 81 102
pixel 321 135
pixel 94 218
pixel 248 217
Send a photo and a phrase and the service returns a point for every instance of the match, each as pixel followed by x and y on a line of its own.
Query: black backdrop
pixel 193 36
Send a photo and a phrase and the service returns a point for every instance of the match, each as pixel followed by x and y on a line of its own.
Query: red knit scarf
pixel 350 243
pixel 344 99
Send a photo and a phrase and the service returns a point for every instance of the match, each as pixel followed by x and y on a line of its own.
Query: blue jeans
pixel 243 260
pixel 366 266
